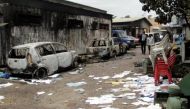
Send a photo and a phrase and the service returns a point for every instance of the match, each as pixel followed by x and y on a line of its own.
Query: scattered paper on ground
pixel 76 85
pixel 74 72
pixel 125 73
pixel 140 103
pixel 103 99
pixel 54 76
pixel 104 77
pixel 2 97
pixel 40 93
pixel 152 106
pixel 5 85
pixel 50 94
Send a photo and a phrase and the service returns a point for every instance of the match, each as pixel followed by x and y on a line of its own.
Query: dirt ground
pixel 24 96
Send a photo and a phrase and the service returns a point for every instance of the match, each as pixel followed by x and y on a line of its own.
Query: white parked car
pixel 40 59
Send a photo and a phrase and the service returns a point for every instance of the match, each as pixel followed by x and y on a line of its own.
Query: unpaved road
pixel 24 96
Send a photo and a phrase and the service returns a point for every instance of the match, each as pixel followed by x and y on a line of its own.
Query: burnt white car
pixel 103 48
pixel 40 59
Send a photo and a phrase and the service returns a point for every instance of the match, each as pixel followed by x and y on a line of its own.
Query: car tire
pixel 41 73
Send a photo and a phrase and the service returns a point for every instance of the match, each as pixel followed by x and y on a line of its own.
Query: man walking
pixel 143 43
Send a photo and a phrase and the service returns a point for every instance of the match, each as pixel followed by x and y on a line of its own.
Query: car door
pixel 65 57
pixel 48 57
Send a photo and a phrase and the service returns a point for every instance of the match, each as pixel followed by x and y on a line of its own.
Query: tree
pixel 165 9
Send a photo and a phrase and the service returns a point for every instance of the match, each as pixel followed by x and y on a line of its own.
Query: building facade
pixel 134 25
pixel 26 21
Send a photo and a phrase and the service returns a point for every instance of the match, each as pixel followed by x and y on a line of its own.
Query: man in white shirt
pixel 150 42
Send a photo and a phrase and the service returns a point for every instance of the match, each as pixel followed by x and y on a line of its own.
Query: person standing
pixel 143 43
pixel 150 42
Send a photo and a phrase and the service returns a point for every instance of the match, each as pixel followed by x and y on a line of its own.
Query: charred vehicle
pixel 40 59
pixel 103 48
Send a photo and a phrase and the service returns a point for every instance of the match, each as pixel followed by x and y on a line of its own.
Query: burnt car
pixel 103 48
pixel 40 59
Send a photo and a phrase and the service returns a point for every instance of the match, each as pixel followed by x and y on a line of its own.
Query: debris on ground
pixel 54 76
pixel 76 84
pixel 152 106
pixel 125 73
pixel 35 81
pixel 103 99
pixel 138 64
pixel 50 94
pixel 5 85
pixel 104 78
pixel 41 93
pixel 1 98
pixel 74 72
pixel 142 84
pixel 80 90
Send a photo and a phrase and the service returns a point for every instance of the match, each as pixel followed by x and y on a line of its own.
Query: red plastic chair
pixel 164 69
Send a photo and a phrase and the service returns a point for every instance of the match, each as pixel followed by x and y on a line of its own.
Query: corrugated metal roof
pixel 130 19
pixel 77 5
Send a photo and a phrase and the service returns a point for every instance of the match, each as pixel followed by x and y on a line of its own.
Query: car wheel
pixel 41 73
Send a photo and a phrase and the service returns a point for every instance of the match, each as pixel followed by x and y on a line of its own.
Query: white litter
pixel 2 97
pixel 80 90
pixel 104 99
pixel 131 97
pixel 104 78
pixel 77 84
pixel 74 72
pixel 125 95
pixel 5 85
pixel 91 76
pixel 152 106
pixel 131 79
pixel 125 73
pixel 35 82
pixel 48 81
pixel 137 74
pixel 106 107
pixel 50 94
pixel 54 76
pixel 147 99
pixel 40 93
pixel 140 103
pixel 124 103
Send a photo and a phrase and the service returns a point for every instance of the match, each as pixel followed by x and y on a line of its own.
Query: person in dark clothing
pixel 143 42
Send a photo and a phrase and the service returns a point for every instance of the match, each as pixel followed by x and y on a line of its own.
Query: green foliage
pixel 165 9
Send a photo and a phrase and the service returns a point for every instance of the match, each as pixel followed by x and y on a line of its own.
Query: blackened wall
pixel 33 23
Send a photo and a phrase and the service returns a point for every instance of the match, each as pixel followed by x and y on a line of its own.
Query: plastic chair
pixel 164 69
